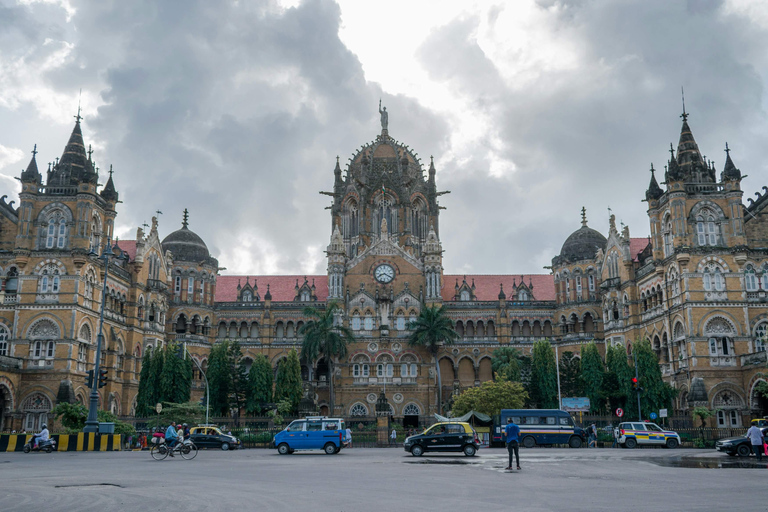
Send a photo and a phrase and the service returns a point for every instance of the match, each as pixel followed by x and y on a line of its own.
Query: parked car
pixel 739 445
pixel 451 436
pixel 642 433
pixel 212 437
pixel 312 433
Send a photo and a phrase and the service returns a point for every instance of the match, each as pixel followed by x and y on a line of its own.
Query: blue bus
pixel 541 427
pixel 312 433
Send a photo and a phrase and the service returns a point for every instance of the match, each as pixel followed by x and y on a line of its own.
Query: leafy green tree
pixel 432 329
pixel 187 412
pixel 656 394
pixel 543 376
pixel 321 338
pixel 219 379
pixel 617 382
pixel 505 362
pixel 175 376
pixel 259 385
pixel 490 398
pixel 73 416
pixel 592 373
pixel 570 370
pixel 288 381
pixel 146 399
pixel 238 378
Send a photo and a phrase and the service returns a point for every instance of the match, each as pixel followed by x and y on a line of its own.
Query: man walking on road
pixel 756 437
pixel 512 433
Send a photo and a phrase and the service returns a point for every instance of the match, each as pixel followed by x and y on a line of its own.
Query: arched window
pixel 408 366
pixel 3 340
pixel 667 234
pixel 55 231
pixel 720 334
pixel 140 309
pixel 305 296
pixel 41 337
pixel 368 322
pixel 400 322
pixel 750 279
pixel 384 368
pixel 85 339
pixel 707 280
pixel 95 237
pixel 706 228
pixel 361 368
pixel 411 410
pixel 358 409
pixel 464 295
pixel 49 280
pixel 247 296
pixel 719 280
pixel 760 337
pixel 356 321
pixel 36 408
pixel 11 282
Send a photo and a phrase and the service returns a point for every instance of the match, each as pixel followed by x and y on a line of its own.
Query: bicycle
pixel 186 449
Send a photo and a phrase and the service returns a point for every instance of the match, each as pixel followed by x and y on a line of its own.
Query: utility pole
pixel 557 365
pixel 638 389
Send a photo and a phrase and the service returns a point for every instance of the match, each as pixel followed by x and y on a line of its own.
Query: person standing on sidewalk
pixel 512 434
pixel 757 439
pixel 393 436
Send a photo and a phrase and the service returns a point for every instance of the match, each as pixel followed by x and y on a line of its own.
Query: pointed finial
pixel 78 117
pixel 34 150
pixel 672 151
pixel 90 151
pixel 727 149
pixel 684 115
pixel 185 221
pixel 158 212
pixel 652 169
pixel 583 216
pixel 110 170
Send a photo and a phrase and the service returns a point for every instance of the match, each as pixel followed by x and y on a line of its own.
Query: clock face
pixel 384 273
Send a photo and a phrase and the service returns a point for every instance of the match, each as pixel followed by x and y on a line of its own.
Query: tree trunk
pixel 330 387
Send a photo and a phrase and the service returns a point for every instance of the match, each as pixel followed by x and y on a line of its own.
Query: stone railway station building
pixel 696 288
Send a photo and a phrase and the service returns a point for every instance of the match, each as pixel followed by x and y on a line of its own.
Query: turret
pixel 109 193
pixel 654 190
pixel 32 175
pixel 730 172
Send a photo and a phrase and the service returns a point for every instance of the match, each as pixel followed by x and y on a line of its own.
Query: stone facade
pixel 696 288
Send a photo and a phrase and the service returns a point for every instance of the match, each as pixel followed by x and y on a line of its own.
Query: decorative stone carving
pixel 371 398
pixel 397 398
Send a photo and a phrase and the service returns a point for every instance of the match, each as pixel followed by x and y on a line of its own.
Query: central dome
pixel 185 244
pixel 582 244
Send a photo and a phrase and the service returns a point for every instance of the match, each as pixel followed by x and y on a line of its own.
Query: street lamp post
pixel 92 423
pixel 207 387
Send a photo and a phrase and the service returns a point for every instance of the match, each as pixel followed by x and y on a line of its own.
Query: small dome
pixel 185 245
pixel 582 244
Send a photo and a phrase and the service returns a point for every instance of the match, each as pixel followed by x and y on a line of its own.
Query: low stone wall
pixel 81 442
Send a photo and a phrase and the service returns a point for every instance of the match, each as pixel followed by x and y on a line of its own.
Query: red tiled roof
pixel 487 286
pixel 636 246
pixel 282 288
pixel 128 246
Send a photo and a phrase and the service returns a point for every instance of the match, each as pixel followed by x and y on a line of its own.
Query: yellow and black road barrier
pixel 80 442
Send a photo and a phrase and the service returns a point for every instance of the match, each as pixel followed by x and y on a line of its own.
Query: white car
pixel 632 434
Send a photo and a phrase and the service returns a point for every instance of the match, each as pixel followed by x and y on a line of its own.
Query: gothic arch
pixel 45 328
pixel 717 323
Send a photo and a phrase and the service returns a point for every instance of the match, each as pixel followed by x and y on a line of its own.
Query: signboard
pixel 654 415
pixel 662 413
pixel 619 412
pixel 159 407
pixel 579 404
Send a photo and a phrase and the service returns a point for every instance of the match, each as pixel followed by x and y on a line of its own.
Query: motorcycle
pixel 46 446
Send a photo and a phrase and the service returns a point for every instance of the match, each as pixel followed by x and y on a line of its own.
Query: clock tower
pixel 385 257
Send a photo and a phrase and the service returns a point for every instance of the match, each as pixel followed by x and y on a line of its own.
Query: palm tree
pixel 431 329
pixel 322 338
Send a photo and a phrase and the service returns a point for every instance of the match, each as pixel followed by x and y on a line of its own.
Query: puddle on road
pixel 86 485
pixel 707 463
pixel 455 462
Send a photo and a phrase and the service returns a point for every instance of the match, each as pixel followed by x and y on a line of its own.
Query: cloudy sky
pixel 238 109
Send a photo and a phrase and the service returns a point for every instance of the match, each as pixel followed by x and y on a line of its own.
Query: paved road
pixel 378 479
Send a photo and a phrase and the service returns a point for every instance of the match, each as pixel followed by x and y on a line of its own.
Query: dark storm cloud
pixel 237 111
pixel 587 136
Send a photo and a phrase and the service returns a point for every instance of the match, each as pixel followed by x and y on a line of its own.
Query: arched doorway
pixel 758 401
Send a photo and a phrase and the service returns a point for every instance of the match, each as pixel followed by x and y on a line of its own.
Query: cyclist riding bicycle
pixel 171 437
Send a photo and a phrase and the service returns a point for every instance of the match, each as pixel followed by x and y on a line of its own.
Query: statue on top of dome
pixel 384 117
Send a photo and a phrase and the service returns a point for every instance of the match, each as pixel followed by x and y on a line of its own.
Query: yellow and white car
pixel 641 433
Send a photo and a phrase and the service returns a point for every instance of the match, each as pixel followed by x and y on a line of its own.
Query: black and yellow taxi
pixel 207 436
pixel 449 436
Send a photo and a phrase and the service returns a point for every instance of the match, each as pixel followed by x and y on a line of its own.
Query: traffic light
pixel 102 377
pixel 635 386
pixel 89 379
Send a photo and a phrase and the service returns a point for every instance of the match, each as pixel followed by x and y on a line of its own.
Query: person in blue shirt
pixel 512 434
pixel 171 437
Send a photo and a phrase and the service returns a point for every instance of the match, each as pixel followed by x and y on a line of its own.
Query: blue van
pixel 542 427
pixel 312 433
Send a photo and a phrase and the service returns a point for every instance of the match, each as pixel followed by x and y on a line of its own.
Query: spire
pixel 689 160
pixel 109 193
pixel 654 190
pixel 32 175
pixel 583 217
pixel 72 166
pixel 730 172
pixel 502 295
pixel 267 296
pixel 185 219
